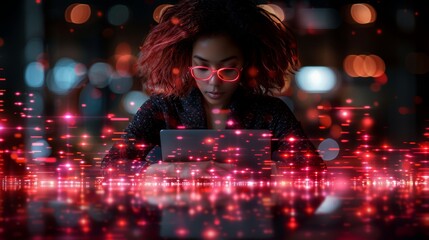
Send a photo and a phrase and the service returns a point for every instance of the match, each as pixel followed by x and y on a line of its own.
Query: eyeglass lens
pixel 204 73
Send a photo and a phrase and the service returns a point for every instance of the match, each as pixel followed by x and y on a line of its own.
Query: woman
pixel 215 64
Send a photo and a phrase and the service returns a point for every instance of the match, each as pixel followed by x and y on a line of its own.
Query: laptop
pixel 244 147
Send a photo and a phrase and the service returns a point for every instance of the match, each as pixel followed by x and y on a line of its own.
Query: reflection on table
pixel 293 208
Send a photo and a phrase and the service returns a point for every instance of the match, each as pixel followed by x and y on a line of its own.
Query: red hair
pixel 268 47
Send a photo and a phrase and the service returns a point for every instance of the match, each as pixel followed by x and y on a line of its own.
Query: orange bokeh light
pixel 275 10
pixel 336 131
pixel 325 120
pixel 78 13
pixel 364 66
pixel 363 13
pixel 159 11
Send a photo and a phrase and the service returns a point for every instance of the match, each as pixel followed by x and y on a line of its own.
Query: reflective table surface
pixel 339 205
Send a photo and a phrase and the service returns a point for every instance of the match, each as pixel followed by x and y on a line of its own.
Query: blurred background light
pixel 118 15
pixel 159 11
pixel 37 104
pixel 133 100
pixel 363 13
pixel 91 98
pixel 125 61
pixel 33 49
pixel 325 121
pixel 125 64
pixel 34 75
pixel 364 66
pixel 78 13
pixel 120 84
pixel 318 18
pixel 99 74
pixel 66 75
pixel 275 10
pixel 316 79
pixel 40 148
pixel 329 149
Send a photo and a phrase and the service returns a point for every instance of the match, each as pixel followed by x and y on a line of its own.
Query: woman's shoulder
pixel 160 99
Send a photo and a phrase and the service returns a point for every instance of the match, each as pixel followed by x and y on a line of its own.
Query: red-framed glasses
pixel 226 74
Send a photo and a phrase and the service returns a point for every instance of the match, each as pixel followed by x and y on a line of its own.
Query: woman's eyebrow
pixel 223 60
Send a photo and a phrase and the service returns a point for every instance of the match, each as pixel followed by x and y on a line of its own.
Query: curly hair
pixel 268 46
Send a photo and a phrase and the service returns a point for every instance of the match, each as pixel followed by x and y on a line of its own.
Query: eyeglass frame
pixel 239 70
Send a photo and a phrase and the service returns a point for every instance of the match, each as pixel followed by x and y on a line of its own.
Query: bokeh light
pixel 363 13
pixel 275 10
pixel 125 64
pixel 325 121
pixel 118 15
pixel 133 100
pixel 78 13
pixel 159 11
pixel 99 74
pixel 34 75
pixel 364 66
pixel 65 75
pixel 37 104
pixel 318 18
pixel 91 98
pixel 120 84
pixel 316 79
pixel 329 149
pixel 40 148
pixel 33 49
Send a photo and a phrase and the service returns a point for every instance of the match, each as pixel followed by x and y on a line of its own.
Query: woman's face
pixel 217 52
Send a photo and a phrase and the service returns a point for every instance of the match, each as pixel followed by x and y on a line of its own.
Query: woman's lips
pixel 214 95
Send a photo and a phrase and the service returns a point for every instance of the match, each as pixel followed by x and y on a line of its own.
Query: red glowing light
pixel 182 232
pixel 292 224
pixel 210 233
pixel 122 222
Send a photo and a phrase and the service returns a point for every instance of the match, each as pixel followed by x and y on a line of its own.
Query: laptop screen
pixel 244 147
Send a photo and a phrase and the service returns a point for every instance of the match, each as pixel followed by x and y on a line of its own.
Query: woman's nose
pixel 215 80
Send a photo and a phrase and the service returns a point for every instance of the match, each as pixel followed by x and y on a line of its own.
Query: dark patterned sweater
pixel 246 111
